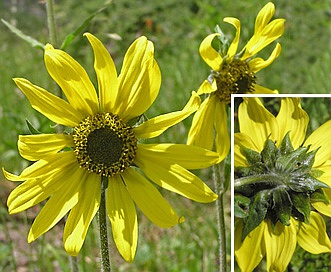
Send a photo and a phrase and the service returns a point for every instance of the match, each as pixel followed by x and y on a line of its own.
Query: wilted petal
pixel 209 54
pixel 258 64
pixel 233 48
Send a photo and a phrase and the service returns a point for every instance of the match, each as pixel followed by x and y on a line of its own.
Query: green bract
pixel 277 184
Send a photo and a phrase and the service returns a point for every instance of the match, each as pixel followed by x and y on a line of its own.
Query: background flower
pixel 232 72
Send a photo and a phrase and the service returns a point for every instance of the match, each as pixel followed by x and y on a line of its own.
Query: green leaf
pixel 252 156
pixel 69 38
pixel 287 163
pixel 269 154
pixel 31 128
pixel 305 184
pixel 241 206
pixel 19 33
pixel 319 196
pixel 257 212
pixel 301 203
pixel 282 206
pixel 285 146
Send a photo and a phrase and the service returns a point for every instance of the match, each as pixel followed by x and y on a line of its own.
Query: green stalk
pixel 51 22
pixel 219 182
pixel 74 264
pixel 103 227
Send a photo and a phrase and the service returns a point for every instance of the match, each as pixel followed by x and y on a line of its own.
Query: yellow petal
pixel 201 132
pixel 312 237
pixel 206 87
pixel 149 200
pixel 81 215
pixel 35 147
pixel 292 118
pixel 33 191
pixel 73 80
pixel 222 137
pixel 53 107
pixel 258 64
pixel 139 80
pixel 326 175
pixel 172 176
pixel 320 138
pixel 260 40
pixel 123 218
pixel 58 205
pixel 209 54
pixel 258 89
pixel 241 139
pixel 256 122
pixel 187 156
pixel 232 51
pixel 157 125
pixel 280 243
pixel 42 167
pixel 264 16
pixel 249 253
pixel 106 73
pixel 321 206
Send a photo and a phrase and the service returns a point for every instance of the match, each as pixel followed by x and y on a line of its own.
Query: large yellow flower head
pixel 282 184
pixel 103 143
pixel 232 72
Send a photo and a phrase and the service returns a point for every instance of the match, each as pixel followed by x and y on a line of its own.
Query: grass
pixel 176 28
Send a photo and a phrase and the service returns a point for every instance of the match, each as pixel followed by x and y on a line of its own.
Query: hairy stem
pixel 219 181
pixel 103 228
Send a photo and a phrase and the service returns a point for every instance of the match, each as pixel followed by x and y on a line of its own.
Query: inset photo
pixel 281 178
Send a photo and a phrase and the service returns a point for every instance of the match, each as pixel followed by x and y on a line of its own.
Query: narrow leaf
pixel 257 212
pixel 31 128
pixel 19 33
pixel 69 38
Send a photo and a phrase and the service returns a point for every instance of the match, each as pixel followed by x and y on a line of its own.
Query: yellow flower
pixel 232 73
pixel 68 168
pixel 281 175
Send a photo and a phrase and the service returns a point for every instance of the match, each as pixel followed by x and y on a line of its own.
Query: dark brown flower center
pixel 234 78
pixel 104 144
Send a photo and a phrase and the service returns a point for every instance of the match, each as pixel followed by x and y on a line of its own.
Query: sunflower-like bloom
pixel 68 167
pixel 232 73
pixel 282 184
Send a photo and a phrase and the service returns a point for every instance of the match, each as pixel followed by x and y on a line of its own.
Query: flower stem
pixel 73 264
pixel 103 227
pixel 220 187
pixel 51 22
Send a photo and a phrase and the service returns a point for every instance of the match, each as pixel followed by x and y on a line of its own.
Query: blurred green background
pixel 177 29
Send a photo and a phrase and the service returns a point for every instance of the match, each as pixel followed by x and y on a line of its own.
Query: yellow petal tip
pixel 181 219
